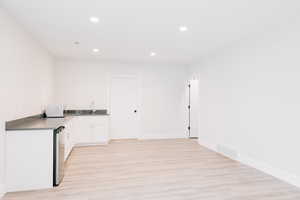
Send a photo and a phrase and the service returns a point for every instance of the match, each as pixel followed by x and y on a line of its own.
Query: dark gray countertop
pixel 38 122
pixel 85 112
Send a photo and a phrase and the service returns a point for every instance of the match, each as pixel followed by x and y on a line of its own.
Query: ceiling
pixel 128 30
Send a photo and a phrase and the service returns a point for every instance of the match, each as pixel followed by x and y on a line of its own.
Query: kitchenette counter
pixel 36 149
pixel 36 123
pixel 39 122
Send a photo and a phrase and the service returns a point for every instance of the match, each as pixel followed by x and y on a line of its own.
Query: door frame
pixel 190 107
pixel 138 81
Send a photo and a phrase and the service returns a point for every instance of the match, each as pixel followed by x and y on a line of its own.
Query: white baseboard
pixel 91 144
pixel 273 171
pixel 2 190
pixel 208 145
pixel 162 136
pixel 261 166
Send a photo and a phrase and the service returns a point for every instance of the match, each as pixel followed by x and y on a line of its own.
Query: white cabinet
pixel 86 130
pixel 99 132
pixel 29 160
pixel 29 153
pixel 91 130
pixel 69 138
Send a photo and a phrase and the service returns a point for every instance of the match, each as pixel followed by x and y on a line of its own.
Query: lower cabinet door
pixel 99 133
pixel 90 130
pixel 82 134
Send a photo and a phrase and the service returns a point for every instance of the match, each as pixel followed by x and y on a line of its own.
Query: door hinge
pixel 189 107
pixel 189 85
pixel 189 128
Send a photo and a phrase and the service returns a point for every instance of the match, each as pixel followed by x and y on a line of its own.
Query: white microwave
pixel 54 111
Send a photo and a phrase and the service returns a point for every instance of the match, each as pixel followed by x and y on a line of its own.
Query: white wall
pixel 163 102
pixel 25 77
pixel 162 90
pixel 250 101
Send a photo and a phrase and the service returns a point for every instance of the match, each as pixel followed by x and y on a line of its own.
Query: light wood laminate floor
pixel 178 169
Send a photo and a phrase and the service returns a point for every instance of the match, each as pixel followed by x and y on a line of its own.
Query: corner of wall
pixel 2 158
pixel 2 190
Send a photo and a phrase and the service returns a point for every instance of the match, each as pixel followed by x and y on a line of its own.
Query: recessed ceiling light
pixel 94 20
pixel 95 50
pixel 183 28
pixel 152 54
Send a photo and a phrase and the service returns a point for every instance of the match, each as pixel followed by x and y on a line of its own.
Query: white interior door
pixel 124 113
pixel 194 102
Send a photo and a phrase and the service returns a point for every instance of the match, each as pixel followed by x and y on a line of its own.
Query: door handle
pixel 135 111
